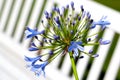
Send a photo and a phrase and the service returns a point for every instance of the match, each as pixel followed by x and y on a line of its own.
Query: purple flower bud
pixel 68 19
pixel 58 10
pixel 88 15
pixel 89 39
pixel 63 9
pixel 82 9
pixel 91 51
pixel 95 55
pixel 73 23
pixel 104 42
pixel 54 9
pixel 46 13
pixel 57 20
pixel 51 52
pixel 56 37
pixel 72 5
pixel 67 6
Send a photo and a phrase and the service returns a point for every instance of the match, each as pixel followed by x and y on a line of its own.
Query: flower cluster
pixel 66 32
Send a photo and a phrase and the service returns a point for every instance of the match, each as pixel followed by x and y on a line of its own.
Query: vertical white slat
pixel 54 74
pixel 40 26
pixel 13 17
pixel 66 65
pixel 1 4
pixel 82 64
pixel 48 8
pixel 114 64
pixel 98 62
pixel 5 14
pixel 22 20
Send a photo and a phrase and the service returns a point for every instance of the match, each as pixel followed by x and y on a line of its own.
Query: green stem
pixel 73 66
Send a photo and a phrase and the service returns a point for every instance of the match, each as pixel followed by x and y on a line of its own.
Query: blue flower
pixel 39 68
pixel 33 47
pixel 102 22
pixel 104 42
pixel 32 33
pixel 75 46
pixel 32 60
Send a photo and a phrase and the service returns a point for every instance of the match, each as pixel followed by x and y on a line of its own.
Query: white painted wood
pixel 114 64
pixel 98 62
pixel 5 14
pixel 13 17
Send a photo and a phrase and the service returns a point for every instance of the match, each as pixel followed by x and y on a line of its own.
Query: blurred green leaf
pixel 114 4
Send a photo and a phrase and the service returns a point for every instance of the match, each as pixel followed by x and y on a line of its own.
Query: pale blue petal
pixel 80 48
pixel 33 49
pixel 76 52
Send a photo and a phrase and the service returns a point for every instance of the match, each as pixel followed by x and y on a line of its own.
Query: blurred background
pixel 15 15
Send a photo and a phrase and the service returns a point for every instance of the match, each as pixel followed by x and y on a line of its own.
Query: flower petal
pixel 29 59
pixel 104 42
pixel 80 48
pixel 33 49
pixel 76 52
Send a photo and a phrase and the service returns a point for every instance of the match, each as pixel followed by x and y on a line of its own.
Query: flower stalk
pixel 73 66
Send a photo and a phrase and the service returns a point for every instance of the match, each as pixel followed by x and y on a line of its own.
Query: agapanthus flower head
pixel 66 32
